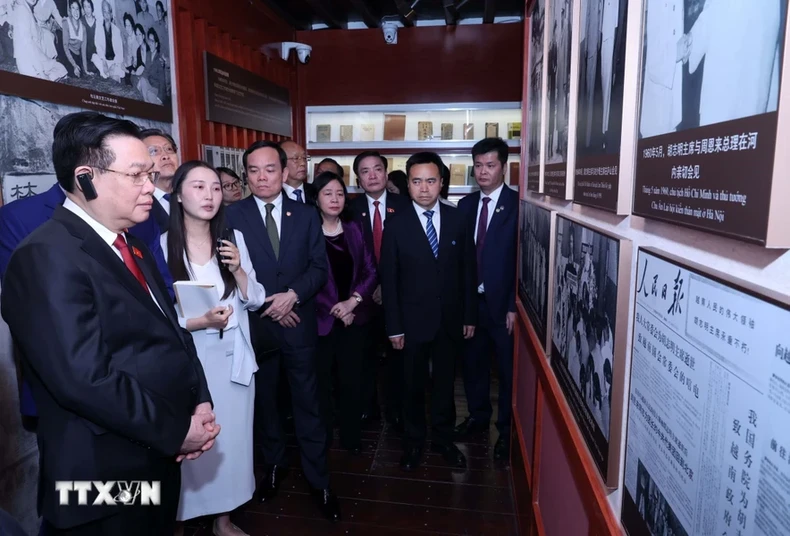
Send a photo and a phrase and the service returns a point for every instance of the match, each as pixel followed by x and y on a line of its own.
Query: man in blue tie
pixel 492 214
pixel 296 186
pixel 428 291
pixel 164 152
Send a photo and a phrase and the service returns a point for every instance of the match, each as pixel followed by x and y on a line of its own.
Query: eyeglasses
pixel 235 185
pixel 300 158
pixel 138 179
pixel 156 150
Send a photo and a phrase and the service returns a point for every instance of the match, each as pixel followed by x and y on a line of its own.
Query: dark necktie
pixel 166 197
pixel 378 229
pixel 271 230
pixel 430 230
pixel 298 194
pixel 128 259
pixel 482 223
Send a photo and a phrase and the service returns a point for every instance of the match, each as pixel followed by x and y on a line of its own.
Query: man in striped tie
pixel 429 295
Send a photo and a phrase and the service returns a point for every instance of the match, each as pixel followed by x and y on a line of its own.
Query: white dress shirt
pixel 160 196
pixel 382 208
pixel 494 196
pixel 104 233
pixel 277 212
pixel 289 190
pixel 436 218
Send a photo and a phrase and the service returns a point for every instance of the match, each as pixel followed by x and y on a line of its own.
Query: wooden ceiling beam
pixel 368 17
pixel 324 12
pixel 489 12
pixel 450 12
pixel 406 13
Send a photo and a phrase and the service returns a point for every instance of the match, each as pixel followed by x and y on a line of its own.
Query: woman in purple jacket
pixel 343 308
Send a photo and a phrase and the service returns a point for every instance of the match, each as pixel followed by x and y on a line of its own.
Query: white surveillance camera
pixel 284 49
pixel 303 52
pixel 390 30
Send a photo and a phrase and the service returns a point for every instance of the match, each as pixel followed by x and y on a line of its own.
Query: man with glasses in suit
pixel 296 186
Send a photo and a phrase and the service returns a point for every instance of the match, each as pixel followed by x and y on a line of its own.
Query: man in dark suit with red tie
pixel 120 391
pixel 492 215
pixel 428 287
pixel 374 208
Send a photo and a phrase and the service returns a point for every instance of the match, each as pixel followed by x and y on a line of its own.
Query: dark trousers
pixel 441 352
pixel 490 336
pixel 136 519
pixel 393 368
pixel 300 369
pixel 344 346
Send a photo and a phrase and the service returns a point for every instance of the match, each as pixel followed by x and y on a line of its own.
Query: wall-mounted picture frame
pixel 535 95
pixel 707 441
pixel 709 159
pixel 536 248
pixel 592 274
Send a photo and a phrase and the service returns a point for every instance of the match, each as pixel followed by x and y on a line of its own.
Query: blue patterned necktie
pixel 298 194
pixel 431 232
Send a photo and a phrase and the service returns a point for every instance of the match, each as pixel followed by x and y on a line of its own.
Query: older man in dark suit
pixel 110 408
pixel 287 250
pixel 428 289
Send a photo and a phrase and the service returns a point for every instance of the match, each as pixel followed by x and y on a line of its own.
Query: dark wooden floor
pixel 377 498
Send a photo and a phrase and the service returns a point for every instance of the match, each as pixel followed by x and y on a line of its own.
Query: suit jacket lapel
pixel 445 233
pixel 501 211
pixel 287 223
pixel 417 230
pixel 162 298
pixel 362 209
pixel 253 216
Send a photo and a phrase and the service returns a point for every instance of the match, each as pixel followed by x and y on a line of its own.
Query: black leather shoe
pixel 410 460
pixel 502 449
pixel 451 454
pixel 328 504
pixel 470 427
pixel 270 483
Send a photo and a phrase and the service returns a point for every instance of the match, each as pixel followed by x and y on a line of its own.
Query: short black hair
pixel 445 191
pixel 425 157
pixel 320 182
pixel 364 154
pixel 333 161
pixel 159 132
pixel 80 139
pixel 228 171
pixel 262 144
pixel 400 180
pixel 487 145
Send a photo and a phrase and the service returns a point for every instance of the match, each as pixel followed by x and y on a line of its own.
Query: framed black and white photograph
pixel 599 123
pixel 26 144
pixel 109 55
pixel 558 77
pixel 535 247
pixel 709 121
pixel 589 320
pixel 707 447
pixel 537 27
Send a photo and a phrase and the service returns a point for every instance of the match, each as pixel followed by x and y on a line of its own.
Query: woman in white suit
pixel 221 479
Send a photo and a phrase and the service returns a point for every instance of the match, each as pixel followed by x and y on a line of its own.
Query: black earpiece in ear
pixel 86 185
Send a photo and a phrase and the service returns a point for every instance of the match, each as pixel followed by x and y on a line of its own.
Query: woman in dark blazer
pixel 343 306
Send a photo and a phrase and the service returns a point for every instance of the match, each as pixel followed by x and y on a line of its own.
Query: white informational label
pixel 22 186
pixel 708 441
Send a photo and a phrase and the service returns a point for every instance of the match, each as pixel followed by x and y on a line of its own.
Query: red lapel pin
pixel 391 210
pixel 137 252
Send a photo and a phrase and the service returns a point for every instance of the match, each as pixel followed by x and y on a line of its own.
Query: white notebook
pixel 194 298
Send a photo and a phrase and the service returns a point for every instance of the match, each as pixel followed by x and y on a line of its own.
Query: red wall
pixel 234 30
pixel 468 63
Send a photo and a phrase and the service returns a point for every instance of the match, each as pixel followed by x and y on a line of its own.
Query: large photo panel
pixel 558 78
pixel 589 320
pixel 707 441
pixel 708 119
pixel 537 28
pixel 599 124
pixel 534 265
pixel 108 55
